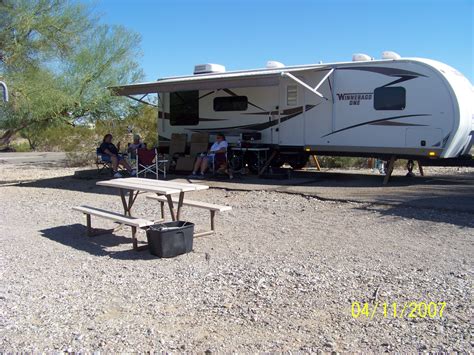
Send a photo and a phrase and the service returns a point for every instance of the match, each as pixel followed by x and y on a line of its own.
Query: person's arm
pixel 108 152
pixel 210 151
pixel 223 148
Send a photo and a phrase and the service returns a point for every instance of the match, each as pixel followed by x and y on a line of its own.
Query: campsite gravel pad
pixel 280 274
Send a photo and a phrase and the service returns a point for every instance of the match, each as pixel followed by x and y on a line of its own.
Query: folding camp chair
pixel 147 162
pixel 102 162
pixel 220 165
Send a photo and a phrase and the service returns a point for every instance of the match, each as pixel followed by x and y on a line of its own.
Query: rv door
pixel 306 106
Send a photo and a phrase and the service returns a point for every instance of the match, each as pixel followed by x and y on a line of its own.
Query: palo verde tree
pixel 58 62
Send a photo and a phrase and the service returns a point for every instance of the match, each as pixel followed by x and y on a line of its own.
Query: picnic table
pixel 162 191
pixel 129 189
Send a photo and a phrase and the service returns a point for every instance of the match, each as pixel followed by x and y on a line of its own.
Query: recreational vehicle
pixel 389 108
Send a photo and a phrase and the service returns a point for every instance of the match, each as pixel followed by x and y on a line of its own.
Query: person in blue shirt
pixel 216 154
pixel 111 151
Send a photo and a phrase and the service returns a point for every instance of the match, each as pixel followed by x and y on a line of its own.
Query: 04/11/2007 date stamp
pixel 396 310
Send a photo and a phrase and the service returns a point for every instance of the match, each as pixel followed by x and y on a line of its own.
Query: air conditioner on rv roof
pixel 390 55
pixel 273 64
pixel 360 57
pixel 208 68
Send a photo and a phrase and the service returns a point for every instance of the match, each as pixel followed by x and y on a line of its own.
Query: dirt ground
pixel 286 271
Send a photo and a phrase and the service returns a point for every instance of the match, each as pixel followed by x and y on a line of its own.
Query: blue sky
pixel 245 34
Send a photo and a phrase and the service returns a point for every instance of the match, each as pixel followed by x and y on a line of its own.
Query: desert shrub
pixel 62 137
pixel 21 146
pixel 142 123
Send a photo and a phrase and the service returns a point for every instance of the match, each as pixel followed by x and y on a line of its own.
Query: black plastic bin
pixel 170 239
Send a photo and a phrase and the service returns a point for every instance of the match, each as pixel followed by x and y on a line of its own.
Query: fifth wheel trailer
pixel 395 107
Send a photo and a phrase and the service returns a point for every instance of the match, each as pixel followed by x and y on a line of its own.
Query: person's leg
pixel 114 160
pixel 205 164
pixel 197 165
pixel 115 164
pixel 125 164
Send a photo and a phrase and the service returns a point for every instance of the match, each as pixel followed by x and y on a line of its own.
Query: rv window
pixel 184 108
pixel 390 98
pixel 291 95
pixel 231 103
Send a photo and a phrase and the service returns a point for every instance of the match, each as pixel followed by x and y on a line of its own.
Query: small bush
pixel 21 147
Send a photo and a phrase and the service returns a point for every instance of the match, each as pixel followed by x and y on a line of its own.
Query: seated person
pixel 137 144
pixel 217 154
pixel 110 150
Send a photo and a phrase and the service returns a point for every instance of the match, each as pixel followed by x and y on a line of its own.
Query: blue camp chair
pixel 103 162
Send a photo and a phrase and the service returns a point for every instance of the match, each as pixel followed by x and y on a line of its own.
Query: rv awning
pixel 211 81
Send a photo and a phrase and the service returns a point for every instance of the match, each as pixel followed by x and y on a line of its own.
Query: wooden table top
pixel 148 185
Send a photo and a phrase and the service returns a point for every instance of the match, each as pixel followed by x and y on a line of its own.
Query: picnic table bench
pixel 116 217
pixel 213 208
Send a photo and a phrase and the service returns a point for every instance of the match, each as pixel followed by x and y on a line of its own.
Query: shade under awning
pixel 210 81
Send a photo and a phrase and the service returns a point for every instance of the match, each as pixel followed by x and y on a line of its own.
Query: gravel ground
pixel 281 274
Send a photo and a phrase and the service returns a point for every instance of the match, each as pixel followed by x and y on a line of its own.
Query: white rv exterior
pixel 408 107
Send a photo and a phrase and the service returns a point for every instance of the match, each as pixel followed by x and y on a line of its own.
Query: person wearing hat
pixel 112 152
pixel 216 154
pixel 137 144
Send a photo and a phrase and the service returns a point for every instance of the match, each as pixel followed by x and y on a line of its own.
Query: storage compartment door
pixel 421 137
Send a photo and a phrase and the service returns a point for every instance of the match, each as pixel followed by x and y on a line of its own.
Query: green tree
pixel 58 62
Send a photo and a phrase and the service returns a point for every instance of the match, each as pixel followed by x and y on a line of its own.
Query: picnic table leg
pixel 213 214
pixel 134 238
pixel 213 227
pixel 126 208
pixel 180 205
pixel 162 204
pixel 130 202
pixel 170 205
pixel 89 227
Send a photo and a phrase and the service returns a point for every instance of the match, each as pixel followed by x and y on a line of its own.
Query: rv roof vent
pixel 273 64
pixel 360 57
pixel 390 55
pixel 208 68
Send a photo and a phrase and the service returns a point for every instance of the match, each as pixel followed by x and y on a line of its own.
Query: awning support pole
pixel 302 83
pixel 141 100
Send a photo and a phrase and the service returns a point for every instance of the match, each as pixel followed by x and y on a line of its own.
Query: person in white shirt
pixel 137 144
pixel 216 153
